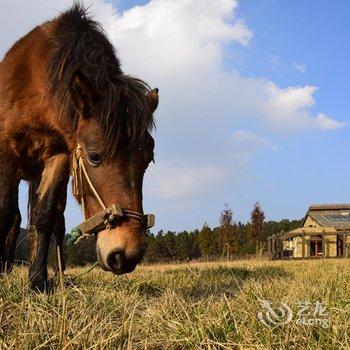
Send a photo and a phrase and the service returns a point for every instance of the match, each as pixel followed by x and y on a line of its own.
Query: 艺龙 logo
pixel 308 314
pixel 274 315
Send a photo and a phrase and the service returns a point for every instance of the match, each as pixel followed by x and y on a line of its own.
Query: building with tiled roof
pixel 324 233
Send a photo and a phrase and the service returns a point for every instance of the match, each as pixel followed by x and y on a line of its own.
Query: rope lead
pixel 87 270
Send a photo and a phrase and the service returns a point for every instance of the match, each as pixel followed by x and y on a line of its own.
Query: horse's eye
pixel 94 158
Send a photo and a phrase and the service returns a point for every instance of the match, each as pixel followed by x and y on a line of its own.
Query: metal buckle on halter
pixel 151 219
pixel 101 220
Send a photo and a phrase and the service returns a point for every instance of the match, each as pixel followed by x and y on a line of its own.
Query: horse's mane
pixel 123 108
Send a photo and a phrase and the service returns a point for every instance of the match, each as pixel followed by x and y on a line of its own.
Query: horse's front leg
pixel 60 230
pixel 8 186
pixel 11 240
pixel 43 217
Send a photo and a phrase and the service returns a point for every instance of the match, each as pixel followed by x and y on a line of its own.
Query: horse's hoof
pixel 39 286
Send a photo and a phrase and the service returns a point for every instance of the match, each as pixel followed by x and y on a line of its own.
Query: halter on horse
pixel 106 218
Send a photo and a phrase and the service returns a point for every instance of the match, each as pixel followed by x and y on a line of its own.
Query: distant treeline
pixel 205 244
pixel 230 240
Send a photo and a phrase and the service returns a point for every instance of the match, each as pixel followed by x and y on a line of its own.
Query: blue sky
pixel 253 101
pixel 309 32
pixel 311 166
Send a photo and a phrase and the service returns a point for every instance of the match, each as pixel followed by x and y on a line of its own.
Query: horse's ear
pixel 83 94
pixel 154 99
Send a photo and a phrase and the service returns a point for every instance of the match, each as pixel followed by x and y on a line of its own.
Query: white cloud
pixel 290 109
pixel 166 36
pixel 300 67
pixel 326 123
pixel 180 46
pixel 177 181
pixel 248 138
pixel 245 145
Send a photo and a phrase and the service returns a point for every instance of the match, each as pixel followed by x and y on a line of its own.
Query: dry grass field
pixel 193 306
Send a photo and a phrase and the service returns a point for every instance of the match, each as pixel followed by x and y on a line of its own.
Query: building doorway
pixel 316 249
pixel 340 246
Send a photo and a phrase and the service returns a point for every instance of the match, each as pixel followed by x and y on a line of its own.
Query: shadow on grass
pixel 196 283
pixel 191 283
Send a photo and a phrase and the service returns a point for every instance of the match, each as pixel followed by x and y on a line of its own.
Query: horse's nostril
pixel 115 261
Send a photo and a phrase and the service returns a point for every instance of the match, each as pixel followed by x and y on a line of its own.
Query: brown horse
pixel 62 90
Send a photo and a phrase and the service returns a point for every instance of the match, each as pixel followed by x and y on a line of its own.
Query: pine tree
pixel 206 241
pixel 183 246
pixel 256 226
pixel 226 235
pixel 170 245
pixel 152 251
pixel 193 238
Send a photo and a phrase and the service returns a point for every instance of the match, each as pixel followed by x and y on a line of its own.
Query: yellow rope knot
pixel 78 151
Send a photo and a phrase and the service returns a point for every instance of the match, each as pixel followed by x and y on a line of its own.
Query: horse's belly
pixel 32 148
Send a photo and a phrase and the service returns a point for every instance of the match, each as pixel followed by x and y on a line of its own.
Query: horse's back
pixel 27 132
pixel 22 72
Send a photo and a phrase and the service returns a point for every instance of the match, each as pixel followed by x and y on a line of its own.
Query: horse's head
pixel 116 152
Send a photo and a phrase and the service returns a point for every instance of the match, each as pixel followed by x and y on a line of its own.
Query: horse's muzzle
pixel 119 264
pixel 119 250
